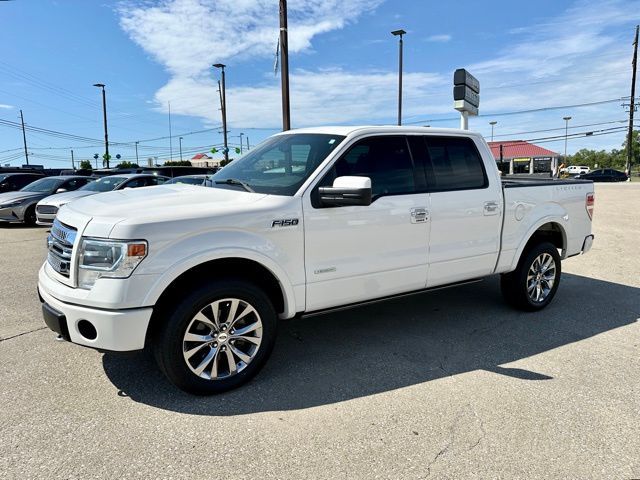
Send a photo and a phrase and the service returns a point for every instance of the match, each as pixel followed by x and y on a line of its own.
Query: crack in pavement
pixel 455 427
pixel 20 334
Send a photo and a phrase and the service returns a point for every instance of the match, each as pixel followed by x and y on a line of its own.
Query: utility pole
pixel 104 114
pixel 223 105
pixel 247 144
pixel 284 70
pixel 24 138
pixel 634 64
pixel 180 140
pixel 566 133
pixel 137 153
pixel 493 124
pixel 241 135
pixel 170 139
pixel 399 33
pixel 73 165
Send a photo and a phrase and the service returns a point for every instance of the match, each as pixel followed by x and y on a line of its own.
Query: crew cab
pixel 309 221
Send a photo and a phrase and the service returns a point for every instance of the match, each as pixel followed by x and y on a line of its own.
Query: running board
pixel 325 311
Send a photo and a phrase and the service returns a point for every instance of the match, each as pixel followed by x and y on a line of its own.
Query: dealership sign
pixel 466 92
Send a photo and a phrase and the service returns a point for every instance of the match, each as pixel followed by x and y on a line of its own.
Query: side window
pixel 24 180
pixel 454 164
pixel 385 160
pixel 134 183
pixel 71 185
pixel 151 181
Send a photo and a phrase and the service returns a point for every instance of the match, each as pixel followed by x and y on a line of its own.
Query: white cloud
pixel 187 36
pixel 317 97
pixel 442 38
pixel 6 107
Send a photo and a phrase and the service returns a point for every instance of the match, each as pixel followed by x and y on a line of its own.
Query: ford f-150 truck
pixel 308 221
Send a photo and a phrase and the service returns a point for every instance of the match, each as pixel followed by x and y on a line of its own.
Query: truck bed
pixel 511 182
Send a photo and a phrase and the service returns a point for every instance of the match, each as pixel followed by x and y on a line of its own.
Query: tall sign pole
pixel 466 96
pixel 632 104
pixel 284 70
pixel 24 138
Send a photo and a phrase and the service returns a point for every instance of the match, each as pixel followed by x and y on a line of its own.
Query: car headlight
pixel 17 203
pixel 108 259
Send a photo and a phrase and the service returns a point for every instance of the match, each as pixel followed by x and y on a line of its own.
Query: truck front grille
pixel 46 209
pixel 60 243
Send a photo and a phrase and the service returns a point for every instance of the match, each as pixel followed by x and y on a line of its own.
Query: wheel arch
pixel 238 266
pixel 549 230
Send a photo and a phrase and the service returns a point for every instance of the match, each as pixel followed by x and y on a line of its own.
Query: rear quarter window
pixel 454 163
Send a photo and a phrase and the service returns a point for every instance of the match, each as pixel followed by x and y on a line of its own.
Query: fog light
pixel 87 330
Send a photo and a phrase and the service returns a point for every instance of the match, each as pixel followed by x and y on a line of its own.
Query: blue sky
pixel 527 56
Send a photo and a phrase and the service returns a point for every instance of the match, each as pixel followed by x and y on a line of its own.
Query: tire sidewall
pixel 168 343
pixel 30 216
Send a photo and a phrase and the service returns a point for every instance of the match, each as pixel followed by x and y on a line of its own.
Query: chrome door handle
pixel 419 215
pixel 491 208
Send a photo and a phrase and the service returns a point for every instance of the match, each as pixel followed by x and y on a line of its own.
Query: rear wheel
pixel 217 338
pixel 534 282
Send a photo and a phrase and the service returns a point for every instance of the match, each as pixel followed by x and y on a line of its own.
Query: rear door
pixel 465 211
pixel 356 253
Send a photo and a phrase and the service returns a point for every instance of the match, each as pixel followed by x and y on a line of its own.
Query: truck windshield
pixel 279 165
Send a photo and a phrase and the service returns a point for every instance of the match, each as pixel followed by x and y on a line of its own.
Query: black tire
pixel 515 285
pixel 169 343
pixel 30 216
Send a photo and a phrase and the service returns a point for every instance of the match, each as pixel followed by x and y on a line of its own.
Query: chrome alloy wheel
pixel 541 277
pixel 222 339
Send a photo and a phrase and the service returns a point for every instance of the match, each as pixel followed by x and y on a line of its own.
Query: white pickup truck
pixel 308 221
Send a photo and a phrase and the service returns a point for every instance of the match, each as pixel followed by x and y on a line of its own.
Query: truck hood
pixel 158 204
pixel 60 199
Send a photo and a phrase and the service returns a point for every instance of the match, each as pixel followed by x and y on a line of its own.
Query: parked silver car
pixel 48 207
pixel 20 206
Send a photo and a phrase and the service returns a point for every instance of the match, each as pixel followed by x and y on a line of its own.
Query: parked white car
pixel 576 170
pixel 309 221
pixel 48 207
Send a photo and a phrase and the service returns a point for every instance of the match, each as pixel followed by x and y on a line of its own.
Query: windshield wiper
pixel 235 181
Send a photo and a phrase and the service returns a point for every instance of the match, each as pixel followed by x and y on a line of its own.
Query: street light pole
pixel 241 135
pixel 399 33
pixel 493 124
pixel 180 140
pixel 137 153
pixel 73 165
pixel 223 95
pixel 24 138
pixel 104 114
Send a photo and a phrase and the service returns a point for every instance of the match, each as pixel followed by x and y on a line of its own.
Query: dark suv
pixel 11 182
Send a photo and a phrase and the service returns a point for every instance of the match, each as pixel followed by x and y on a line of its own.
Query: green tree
pixel 177 163
pixel 225 162
pixel 125 164
pixel 86 165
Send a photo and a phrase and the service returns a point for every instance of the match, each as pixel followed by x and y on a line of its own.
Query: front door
pixel 356 253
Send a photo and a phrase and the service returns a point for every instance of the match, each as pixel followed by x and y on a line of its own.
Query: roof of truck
pixel 364 129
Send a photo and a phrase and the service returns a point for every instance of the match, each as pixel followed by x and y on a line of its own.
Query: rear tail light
pixel 590 204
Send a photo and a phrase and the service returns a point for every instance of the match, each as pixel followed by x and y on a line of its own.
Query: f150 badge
pixel 285 222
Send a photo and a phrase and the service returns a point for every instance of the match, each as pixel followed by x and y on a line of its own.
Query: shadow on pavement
pixel 373 349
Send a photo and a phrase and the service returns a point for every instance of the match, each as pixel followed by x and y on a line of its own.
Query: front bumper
pixel 11 214
pixel 45 219
pixel 114 330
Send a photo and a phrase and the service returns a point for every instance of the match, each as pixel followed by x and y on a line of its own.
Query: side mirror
pixel 61 190
pixel 346 191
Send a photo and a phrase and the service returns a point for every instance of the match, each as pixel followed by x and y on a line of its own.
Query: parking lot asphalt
pixel 449 384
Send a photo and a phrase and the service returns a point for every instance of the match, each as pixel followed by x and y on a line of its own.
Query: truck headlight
pixel 108 259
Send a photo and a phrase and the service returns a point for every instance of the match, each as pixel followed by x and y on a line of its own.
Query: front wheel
pixel 30 216
pixel 534 282
pixel 217 338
